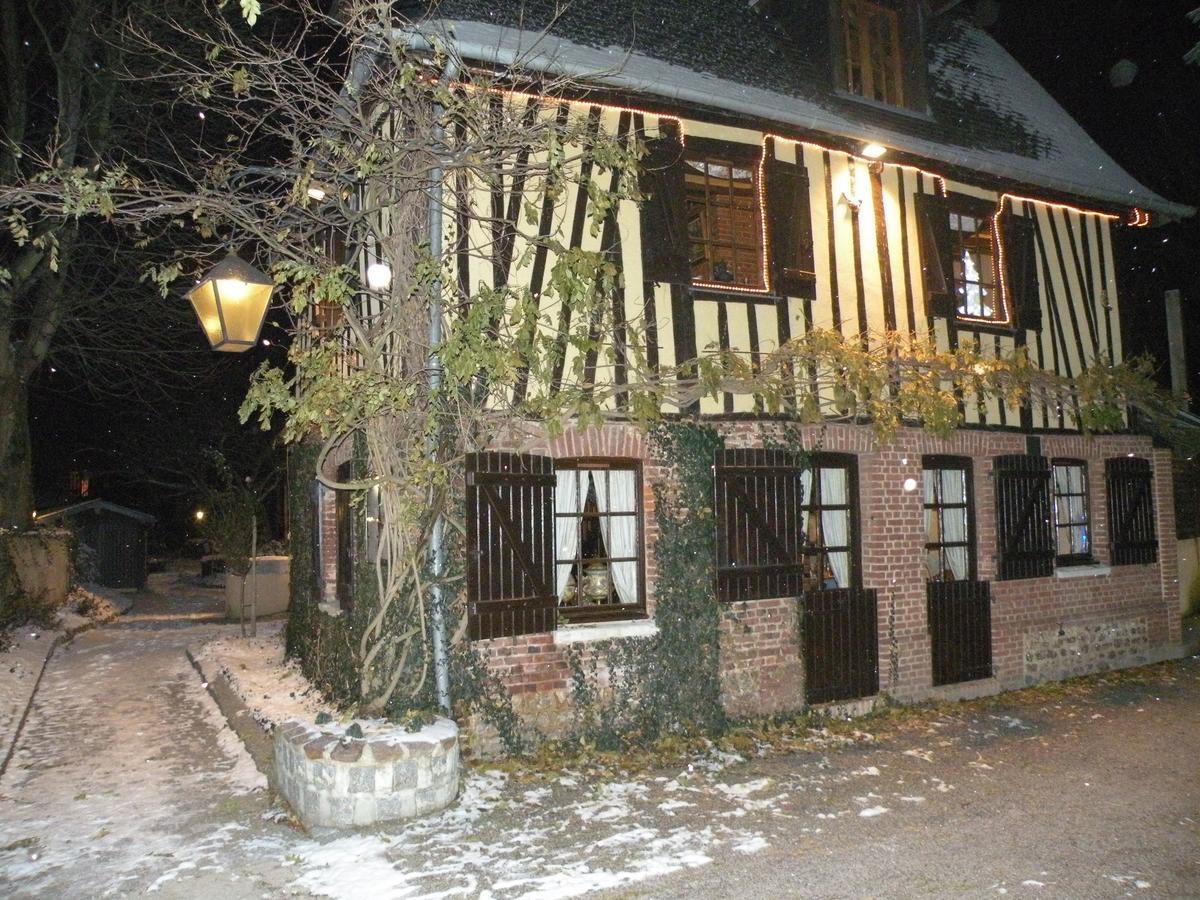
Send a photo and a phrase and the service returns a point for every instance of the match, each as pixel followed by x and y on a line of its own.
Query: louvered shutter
pixel 510 544
pixel 936 254
pixel 760 528
pixel 1132 535
pixel 665 251
pixel 1024 531
pixel 1021 259
pixel 790 219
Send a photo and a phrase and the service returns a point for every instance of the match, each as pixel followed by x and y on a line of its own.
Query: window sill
pixel 1091 570
pixel 605 631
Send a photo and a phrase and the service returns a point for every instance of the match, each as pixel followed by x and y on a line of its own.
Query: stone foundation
pixel 1080 649
pixel 340 782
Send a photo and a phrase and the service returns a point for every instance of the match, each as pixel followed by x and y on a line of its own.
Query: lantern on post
pixel 231 303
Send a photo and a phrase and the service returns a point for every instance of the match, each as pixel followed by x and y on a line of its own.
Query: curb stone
pixel 123 603
pixel 258 741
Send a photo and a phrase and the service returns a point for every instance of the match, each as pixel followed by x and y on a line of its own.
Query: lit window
pixel 724 221
pixel 829 521
pixel 1071 533
pixel 597 536
pixel 974 266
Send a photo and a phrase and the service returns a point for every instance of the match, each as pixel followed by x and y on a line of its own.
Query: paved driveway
pixel 126 781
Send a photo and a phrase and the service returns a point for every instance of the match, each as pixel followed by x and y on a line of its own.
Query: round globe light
pixel 379 276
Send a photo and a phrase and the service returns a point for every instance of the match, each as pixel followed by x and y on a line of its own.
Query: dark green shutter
pixel 1021 258
pixel 665 250
pixel 793 267
pixel 936 254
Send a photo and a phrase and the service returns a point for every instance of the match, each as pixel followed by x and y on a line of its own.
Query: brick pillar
pixel 1168 543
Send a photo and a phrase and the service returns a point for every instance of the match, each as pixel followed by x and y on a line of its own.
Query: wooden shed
pixel 116 533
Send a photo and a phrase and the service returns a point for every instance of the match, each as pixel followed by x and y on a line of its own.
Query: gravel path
pixel 127 781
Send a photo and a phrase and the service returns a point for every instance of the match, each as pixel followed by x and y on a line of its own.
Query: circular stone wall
pixel 337 781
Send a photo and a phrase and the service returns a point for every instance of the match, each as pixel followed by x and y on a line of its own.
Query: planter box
pixel 272 574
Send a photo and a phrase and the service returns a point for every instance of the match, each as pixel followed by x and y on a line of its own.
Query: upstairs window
pixel 872 58
pixel 1071 533
pixel 724 220
pixel 974 265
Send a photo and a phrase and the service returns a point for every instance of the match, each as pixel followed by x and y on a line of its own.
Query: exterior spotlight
pixel 872 150
pixel 231 303
pixel 199 515
pixel 379 276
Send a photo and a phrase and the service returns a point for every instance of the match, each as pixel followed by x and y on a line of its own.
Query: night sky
pixel 1069 46
pixel 1150 127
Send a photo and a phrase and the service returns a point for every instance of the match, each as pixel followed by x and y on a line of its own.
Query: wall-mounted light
pixel 871 150
pixel 379 276
pixel 231 303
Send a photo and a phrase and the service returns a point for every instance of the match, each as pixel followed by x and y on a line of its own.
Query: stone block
pixel 404 775
pixel 315 749
pixel 362 780
pixel 347 751
pixel 384 752
pixel 321 774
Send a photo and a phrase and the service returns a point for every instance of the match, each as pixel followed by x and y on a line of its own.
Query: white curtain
pixel 835 523
pixel 954 521
pixel 567 501
pixel 616 492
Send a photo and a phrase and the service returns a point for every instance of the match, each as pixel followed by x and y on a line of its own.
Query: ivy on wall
pixel 667 683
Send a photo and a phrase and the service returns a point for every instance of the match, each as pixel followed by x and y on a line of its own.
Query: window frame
pixel 1071 559
pixel 817 554
pixel 732 154
pixel 908 55
pixel 573 615
pixel 940 463
pixel 862 15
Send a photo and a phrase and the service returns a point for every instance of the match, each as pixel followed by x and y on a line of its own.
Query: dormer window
pixel 878 52
pixel 872 64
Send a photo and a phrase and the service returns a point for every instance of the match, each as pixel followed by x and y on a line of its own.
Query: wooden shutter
pixel 1020 254
pixel 937 266
pixel 760 529
pixel 1023 521
pixel 510 544
pixel 665 252
pixel 793 266
pixel 1132 534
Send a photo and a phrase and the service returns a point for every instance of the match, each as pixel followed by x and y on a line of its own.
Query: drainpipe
pixel 437 543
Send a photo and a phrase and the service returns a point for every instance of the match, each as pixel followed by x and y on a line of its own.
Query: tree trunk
pixel 16 476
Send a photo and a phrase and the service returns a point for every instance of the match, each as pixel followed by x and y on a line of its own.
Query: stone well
pixel 337 781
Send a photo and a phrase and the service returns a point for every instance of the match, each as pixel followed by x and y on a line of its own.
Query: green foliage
pixel 229 524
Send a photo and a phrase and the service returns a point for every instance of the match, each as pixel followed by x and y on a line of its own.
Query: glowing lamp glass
pixel 379 276
pixel 874 151
pixel 230 303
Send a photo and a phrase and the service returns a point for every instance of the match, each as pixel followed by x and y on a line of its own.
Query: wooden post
pixel 1175 344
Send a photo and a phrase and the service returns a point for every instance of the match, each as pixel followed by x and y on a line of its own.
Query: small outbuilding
pixel 116 533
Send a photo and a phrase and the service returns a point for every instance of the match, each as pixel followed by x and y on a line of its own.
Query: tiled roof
pixel 987 113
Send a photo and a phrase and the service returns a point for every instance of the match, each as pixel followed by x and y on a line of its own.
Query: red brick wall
pixel 1033 620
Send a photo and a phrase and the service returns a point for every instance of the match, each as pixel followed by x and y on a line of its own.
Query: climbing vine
pixel 667 683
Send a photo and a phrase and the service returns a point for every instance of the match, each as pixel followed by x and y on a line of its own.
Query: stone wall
pixel 1071 650
pixel 336 781
pixel 43 564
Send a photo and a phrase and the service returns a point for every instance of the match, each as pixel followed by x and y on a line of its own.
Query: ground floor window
pixel 948 539
pixel 597 528
pixel 830 523
pixel 1071 534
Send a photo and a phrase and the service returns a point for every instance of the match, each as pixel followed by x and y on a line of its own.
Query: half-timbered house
pixel 865 166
